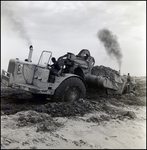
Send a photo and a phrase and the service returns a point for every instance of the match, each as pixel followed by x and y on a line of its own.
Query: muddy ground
pixel 98 121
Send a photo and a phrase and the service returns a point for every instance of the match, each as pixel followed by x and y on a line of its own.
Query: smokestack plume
pixel 111 44
pixel 14 22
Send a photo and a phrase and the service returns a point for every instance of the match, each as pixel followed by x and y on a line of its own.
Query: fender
pixel 53 86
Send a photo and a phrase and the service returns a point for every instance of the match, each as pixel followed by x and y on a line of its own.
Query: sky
pixel 70 26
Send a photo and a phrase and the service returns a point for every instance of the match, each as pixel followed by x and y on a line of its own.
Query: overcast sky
pixel 69 26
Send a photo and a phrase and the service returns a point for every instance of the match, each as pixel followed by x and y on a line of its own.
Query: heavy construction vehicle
pixel 77 73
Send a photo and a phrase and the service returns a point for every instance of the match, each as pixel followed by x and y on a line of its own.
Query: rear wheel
pixel 70 90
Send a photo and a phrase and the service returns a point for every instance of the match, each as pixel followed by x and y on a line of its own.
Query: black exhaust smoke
pixel 14 22
pixel 111 44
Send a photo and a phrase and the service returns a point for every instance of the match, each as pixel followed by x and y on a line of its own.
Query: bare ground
pixel 97 122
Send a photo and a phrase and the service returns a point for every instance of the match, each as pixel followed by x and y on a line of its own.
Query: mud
pixel 29 123
pixel 15 100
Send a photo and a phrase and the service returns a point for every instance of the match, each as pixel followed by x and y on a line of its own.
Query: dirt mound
pixel 14 100
pixel 9 93
pixel 30 124
pixel 131 99
pixel 55 109
pixel 60 109
pixel 98 118
pixel 42 121
pixel 79 107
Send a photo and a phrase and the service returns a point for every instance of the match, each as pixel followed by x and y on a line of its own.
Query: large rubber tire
pixel 70 90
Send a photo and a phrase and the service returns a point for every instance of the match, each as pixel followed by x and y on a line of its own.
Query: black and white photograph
pixel 73 75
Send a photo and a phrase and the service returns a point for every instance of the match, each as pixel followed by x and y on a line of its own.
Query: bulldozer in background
pixel 77 74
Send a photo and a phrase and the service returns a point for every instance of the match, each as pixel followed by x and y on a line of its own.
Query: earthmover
pixel 77 73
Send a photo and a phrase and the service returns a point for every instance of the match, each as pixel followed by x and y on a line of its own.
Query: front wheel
pixel 70 90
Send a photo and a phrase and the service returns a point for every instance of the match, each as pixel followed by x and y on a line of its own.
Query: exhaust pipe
pixel 30 53
pixel 119 72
